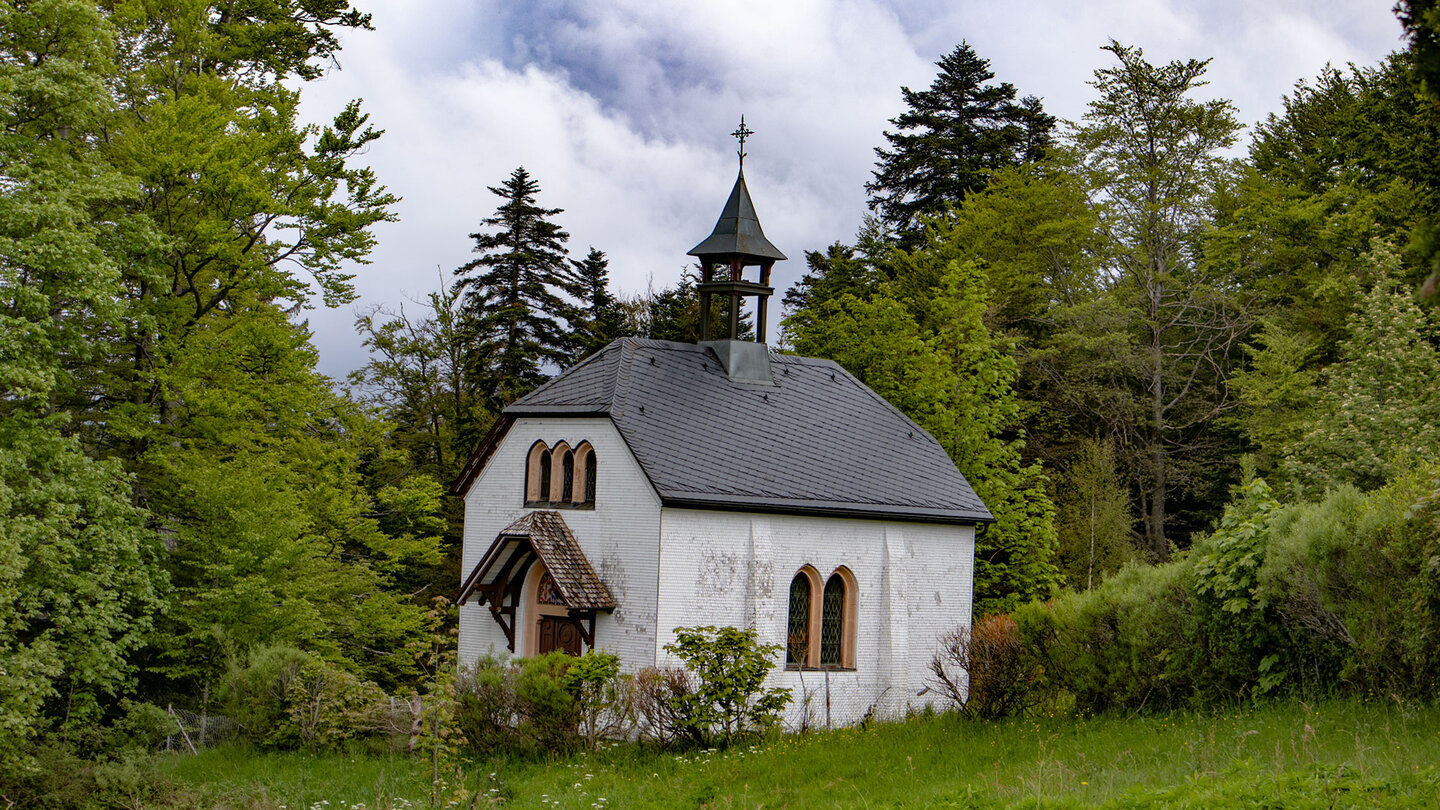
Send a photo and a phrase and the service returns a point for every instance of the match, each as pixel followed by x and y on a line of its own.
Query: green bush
pixel 730 666
pixel 1339 596
pixel 519 705
pixel 283 697
pixel 254 691
pixel 593 681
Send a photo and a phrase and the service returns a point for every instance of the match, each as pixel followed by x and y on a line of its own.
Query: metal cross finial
pixel 742 133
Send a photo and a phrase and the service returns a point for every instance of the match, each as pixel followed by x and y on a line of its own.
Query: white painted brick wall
pixel 913 580
pixel 620 536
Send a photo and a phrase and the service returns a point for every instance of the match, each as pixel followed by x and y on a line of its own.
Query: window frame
pixel 814 621
pixel 548 468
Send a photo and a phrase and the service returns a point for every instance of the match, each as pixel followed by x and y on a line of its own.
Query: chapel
pixel 658 485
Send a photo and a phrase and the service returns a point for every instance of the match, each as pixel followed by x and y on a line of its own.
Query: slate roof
pixel 550 540
pixel 738 229
pixel 817 441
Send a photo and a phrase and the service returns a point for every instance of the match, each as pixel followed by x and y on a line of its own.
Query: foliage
pixel 957 382
pixel 80 582
pixel 983 671
pixel 601 319
pixel 281 697
pixel 1335 596
pixel 592 681
pixel 950 137
pixel 1093 517
pixel 730 699
pixel 1155 157
pixel 518 294
pixel 1378 407
pixel 524 706
pixel 276 538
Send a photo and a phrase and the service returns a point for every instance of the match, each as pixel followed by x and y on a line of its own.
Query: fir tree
pixel 518 294
pixel 603 319
pixel 949 141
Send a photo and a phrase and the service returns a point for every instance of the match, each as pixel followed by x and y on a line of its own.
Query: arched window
pixel 537 472
pixel 837 621
pixel 797 636
pixel 562 475
pixel 590 470
pixel 583 491
pixel 567 478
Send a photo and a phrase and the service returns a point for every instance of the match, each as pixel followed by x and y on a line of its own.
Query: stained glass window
pixel 590 477
pixel 797 639
pixel 832 620
pixel 548 593
pixel 545 476
pixel 567 470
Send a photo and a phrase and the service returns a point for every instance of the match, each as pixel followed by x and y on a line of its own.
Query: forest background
pixel 1150 358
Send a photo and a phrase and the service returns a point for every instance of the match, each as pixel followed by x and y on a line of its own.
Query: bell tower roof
pixel 738 233
pixel 737 242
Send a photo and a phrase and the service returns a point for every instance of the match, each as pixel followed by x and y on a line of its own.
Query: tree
pixel 275 537
pixel 419 378
pixel 1377 411
pixel 1421 19
pixel 1155 157
pixel 602 319
pixel 957 382
pixel 949 140
pixel 80 582
pixel 517 294
pixel 1094 520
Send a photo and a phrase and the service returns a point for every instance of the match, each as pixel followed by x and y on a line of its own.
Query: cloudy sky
pixel 621 109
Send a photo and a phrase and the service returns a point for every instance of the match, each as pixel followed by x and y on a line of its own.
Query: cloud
pixel 621 110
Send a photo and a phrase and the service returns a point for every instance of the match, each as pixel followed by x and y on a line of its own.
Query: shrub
pixel 983 670
pixel 593 683
pixel 730 666
pixel 254 692
pixel 519 705
pixel 654 695
pixel 284 697
pixel 326 706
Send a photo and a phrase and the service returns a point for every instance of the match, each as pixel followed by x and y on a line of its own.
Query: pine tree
pixel 949 140
pixel 518 294
pixel 602 319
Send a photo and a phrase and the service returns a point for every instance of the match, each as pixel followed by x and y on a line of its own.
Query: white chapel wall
pixel 619 536
pixel 913 581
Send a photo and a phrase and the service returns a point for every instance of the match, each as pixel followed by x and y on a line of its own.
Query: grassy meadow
pixel 1332 754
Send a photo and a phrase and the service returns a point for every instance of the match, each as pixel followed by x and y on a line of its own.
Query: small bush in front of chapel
pixel 730 699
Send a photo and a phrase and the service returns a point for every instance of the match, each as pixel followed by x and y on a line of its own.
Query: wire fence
pixel 195 731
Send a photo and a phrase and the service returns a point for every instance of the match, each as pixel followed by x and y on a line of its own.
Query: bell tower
pixel 736 243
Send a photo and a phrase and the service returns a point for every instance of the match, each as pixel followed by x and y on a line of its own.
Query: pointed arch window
pixel 797 633
pixel 560 476
pixel 820 627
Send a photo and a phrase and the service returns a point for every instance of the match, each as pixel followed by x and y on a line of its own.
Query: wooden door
pixel 559 633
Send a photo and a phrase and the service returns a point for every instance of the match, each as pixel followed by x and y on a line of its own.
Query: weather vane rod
pixel 742 133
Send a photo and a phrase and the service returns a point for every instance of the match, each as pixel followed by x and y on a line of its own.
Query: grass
pixel 1334 754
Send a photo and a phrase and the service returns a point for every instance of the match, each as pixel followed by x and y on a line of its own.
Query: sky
pixel 621 110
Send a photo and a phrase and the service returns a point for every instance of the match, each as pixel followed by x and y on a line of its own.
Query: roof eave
pixel 908 514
